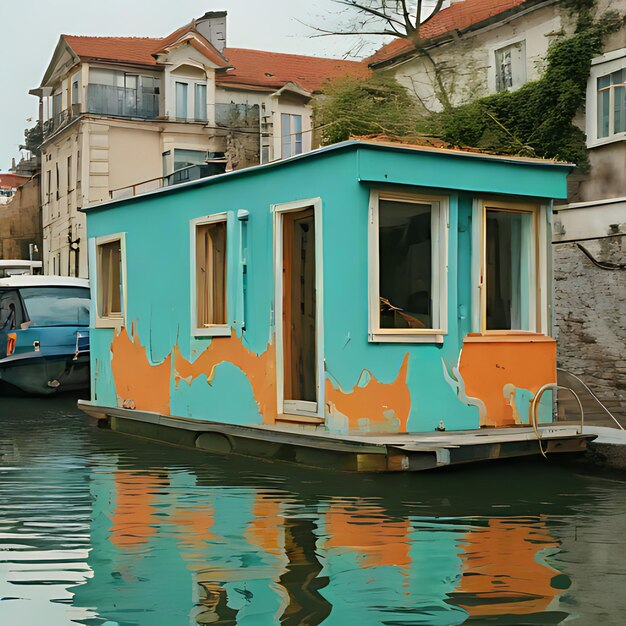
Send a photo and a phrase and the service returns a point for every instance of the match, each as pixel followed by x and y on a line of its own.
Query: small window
pixel 70 187
pixel 510 281
pixel 510 66
pixel 110 277
pixel 408 241
pixel 181 100
pixel 211 315
pixel 611 104
pixel 200 103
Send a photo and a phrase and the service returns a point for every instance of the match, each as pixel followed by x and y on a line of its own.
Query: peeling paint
pixel 139 384
pixel 260 369
pixel 371 406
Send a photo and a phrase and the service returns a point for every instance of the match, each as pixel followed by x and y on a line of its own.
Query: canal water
pixel 100 528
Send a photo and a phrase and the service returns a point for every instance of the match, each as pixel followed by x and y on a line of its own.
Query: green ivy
pixel 537 119
pixel 353 107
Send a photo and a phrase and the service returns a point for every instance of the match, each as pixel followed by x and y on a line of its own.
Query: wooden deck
pixel 315 447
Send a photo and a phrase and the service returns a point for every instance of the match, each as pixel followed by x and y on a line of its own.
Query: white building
pixel 124 115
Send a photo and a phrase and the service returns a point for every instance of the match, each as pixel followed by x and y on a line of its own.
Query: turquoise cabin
pixel 362 306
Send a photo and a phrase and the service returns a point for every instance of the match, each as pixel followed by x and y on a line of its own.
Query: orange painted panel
pixel 490 368
pixel 375 403
pixel 139 385
pixel 259 368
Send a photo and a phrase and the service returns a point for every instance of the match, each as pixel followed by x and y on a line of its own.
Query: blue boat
pixel 44 334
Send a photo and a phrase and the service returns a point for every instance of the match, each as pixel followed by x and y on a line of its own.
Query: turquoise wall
pixel 157 235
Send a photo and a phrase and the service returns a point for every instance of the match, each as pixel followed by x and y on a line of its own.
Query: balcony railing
pixel 184 175
pixel 122 102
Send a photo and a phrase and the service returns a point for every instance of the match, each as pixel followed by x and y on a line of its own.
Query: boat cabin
pixel 364 288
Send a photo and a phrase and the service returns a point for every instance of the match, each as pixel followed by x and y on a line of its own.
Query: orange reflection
pixel 266 530
pixel 502 571
pixel 134 520
pixel 365 529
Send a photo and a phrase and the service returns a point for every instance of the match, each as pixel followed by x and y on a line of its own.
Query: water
pixel 100 528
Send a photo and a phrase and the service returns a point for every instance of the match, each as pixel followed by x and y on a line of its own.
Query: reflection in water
pixel 97 528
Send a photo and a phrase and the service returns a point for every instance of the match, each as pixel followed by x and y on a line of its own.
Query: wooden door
pixel 299 312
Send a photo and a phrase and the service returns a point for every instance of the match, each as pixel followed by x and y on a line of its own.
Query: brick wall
pixel 590 314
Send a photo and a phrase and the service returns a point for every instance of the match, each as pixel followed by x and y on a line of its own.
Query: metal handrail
pixel 592 394
pixel 533 413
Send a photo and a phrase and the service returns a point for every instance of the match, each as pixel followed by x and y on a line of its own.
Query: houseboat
pixel 365 307
pixel 44 334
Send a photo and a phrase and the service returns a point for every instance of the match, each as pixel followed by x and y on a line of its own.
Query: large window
pixel 508 257
pixel 113 92
pixel 209 270
pixel 611 104
pixel 291 134
pixel 407 267
pixel 510 268
pixel 110 280
pixel 510 64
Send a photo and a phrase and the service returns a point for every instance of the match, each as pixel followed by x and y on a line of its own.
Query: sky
pixel 31 30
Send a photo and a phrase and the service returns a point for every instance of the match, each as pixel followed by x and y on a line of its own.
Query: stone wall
pixel 590 314
pixel 20 222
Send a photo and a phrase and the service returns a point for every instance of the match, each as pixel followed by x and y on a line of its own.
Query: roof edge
pixel 338 147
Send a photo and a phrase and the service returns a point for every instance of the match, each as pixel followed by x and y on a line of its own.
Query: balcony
pixel 122 102
pixel 184 175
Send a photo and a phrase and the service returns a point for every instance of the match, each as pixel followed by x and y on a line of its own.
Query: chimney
pixel 212 26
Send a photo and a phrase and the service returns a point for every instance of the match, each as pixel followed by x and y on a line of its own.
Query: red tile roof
pixel 458 16
pixel 251 68
pixel 12 181
pixel 137 50
pixel 273 70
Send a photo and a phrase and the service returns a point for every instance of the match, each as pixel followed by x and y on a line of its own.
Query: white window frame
pixel 492 71
pixel 601 66
pixel 292 134
pixel 106 321
pixel 440 225
pixel 538 301
pixel 215 330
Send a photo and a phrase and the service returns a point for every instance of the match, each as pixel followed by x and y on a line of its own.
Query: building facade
pixel 502 46
pixel 125 115
pixel 20 218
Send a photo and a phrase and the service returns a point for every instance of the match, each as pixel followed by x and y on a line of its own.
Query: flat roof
pixel 26 280
pixel 344 145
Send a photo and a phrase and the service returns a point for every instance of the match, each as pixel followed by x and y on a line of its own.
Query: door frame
pixel 279 211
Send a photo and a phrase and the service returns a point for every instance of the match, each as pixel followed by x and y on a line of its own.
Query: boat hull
pixel 44 375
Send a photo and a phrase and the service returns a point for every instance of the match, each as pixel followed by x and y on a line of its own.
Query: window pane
pixel 508 256
pixel 211 274
pixel 200 103
pixel 110 283
pixel 604 100
pixel 619 103
pixel 297 130
pixel 405 265
pixel 285 133
pixel 181 101
pixel 57 306
pixel 187 158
